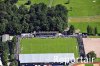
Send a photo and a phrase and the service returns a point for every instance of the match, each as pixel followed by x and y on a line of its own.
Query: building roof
pixel 0 62
pixel 46 58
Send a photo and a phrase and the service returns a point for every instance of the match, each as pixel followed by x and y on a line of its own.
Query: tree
pixel 4 58
pixel 14 63
pixel 4 55
pixel 28 2
pixel 10 28
pixel 25 27
pixel 16 20
pixel 95 31
pixel 59 24
pixel 5 47
pixel 22 10
pixel 2 28
pixel 2 6
pixel 31 28
pixel 17 28
pixel 91 55
pixel 71 30
pixel 11 1
pixel 14 9
pixel 89 30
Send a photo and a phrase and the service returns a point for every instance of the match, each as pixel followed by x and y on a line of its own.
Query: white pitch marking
pixel 94 1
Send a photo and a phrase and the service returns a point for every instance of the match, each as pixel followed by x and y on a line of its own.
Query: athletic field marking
pixel 51 1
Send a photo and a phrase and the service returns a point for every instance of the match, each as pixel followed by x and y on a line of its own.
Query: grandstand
pixel 44 59
pixel 46 34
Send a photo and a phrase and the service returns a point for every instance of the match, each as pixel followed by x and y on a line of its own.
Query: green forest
pixel 15 19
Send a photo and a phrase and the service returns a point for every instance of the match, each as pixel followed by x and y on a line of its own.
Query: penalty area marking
pixel 94 1
pixel 76 47
pixel 21 48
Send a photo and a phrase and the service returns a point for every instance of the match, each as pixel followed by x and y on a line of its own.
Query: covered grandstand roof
pixel 46 58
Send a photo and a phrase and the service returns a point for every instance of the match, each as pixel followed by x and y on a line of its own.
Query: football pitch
pixel 49 45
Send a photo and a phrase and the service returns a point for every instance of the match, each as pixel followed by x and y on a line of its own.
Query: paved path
pixel 86 18
pixel 81 46
pixel 17 50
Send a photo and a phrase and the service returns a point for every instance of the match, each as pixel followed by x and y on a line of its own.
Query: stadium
pixel 44 51
pixel 81 14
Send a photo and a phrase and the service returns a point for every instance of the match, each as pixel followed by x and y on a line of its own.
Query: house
pixel 6 37
pixel 0 62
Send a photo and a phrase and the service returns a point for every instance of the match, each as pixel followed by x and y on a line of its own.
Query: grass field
pixel 93 36
pixel 79 7
pixel 88 64
pixel 83 25
pixel 49 45
pixel 97 60
pixel 84 12
pixel 20 2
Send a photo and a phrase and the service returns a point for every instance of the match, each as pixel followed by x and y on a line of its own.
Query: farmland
pixel 49 45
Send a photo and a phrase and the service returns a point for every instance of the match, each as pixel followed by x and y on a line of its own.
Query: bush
pixel 91 55
pixel 28 2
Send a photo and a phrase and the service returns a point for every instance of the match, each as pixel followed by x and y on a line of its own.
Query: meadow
pixel 81 12
pixel 78 7
pixel 49 45
pixel 83 25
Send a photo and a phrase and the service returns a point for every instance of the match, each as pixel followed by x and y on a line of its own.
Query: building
pixel 0 62
pixel 45 59
pixel 6 37
pixel 27 35
pixel 46 34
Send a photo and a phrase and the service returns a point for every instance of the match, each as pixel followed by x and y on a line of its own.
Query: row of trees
pixel 19 19
pixel 7 52
pixel 92 31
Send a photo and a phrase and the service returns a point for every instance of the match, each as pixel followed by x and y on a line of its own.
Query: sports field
pixel 92 44
pixel 79 7
pixel 49 45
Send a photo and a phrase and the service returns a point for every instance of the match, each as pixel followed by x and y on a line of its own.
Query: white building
pixel 1 62
pixel 27 35
pixel 6 37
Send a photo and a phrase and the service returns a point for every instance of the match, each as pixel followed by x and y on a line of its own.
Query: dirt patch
pixel 83 64
pixel 79 65
pixel 95 64
pixel 85 19
pixel 92 44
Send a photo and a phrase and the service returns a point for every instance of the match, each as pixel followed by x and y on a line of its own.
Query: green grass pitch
pixel 49 45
